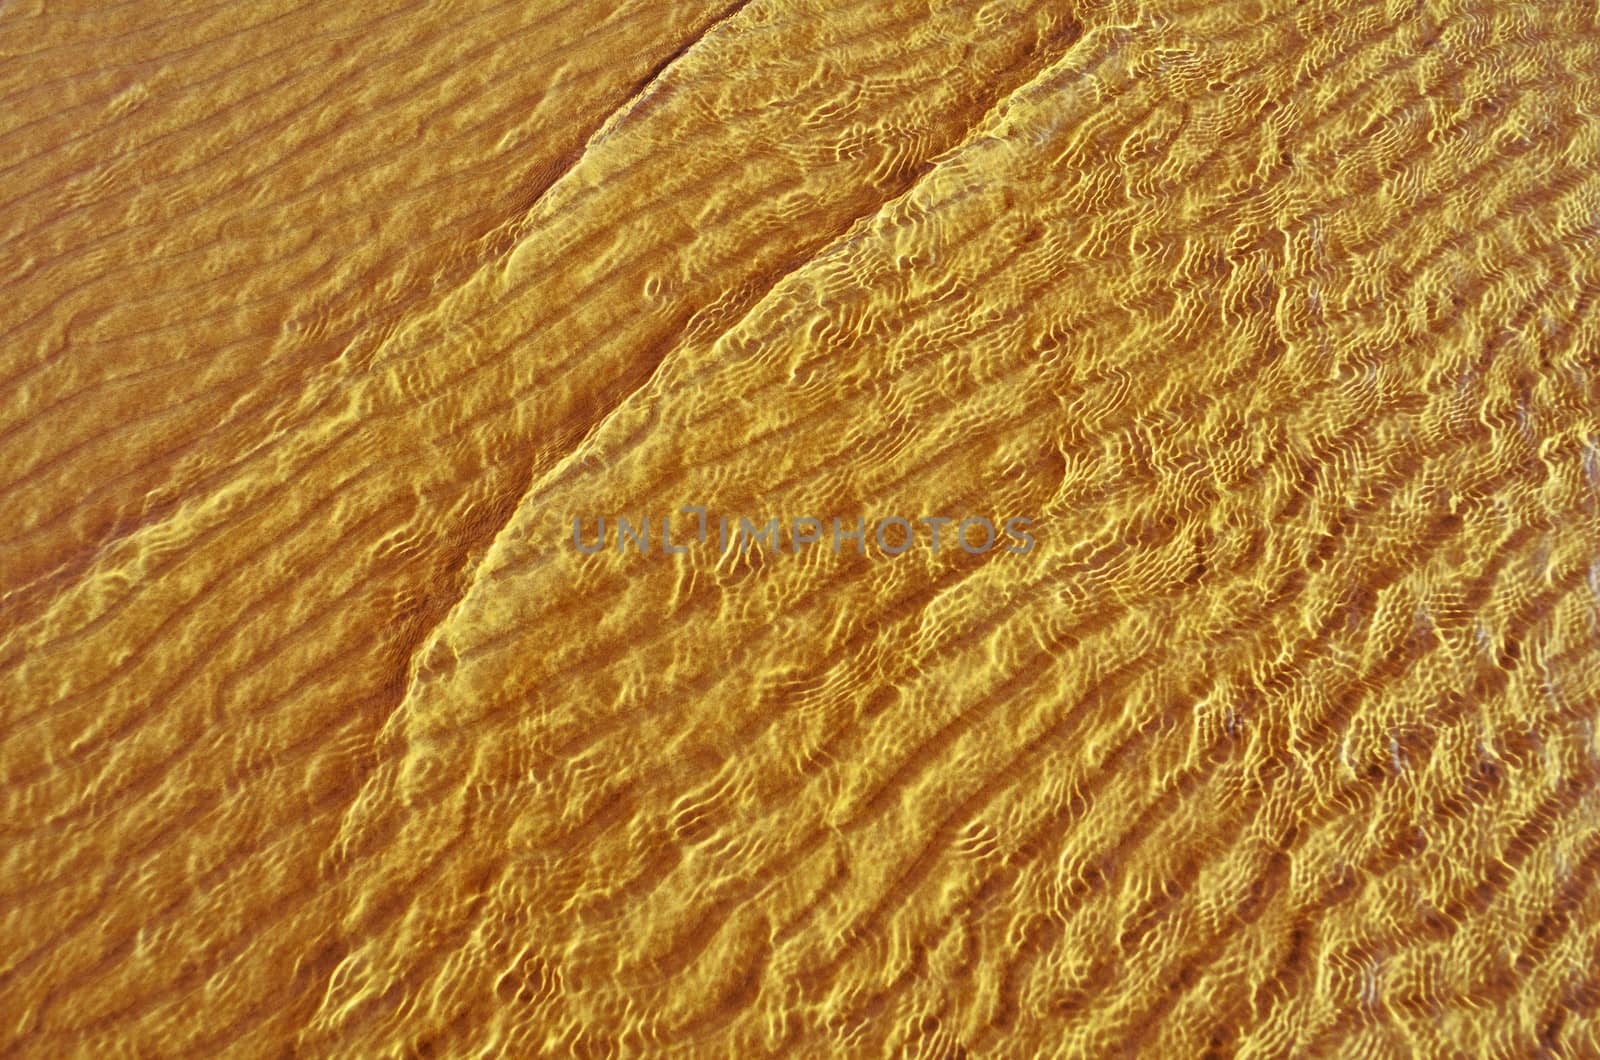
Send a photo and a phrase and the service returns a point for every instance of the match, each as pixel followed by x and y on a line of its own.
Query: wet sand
pixel 325 322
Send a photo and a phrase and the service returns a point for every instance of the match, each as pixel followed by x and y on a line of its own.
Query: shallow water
pixel 1277 322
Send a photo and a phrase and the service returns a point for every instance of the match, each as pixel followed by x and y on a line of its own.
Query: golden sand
pixel 324 322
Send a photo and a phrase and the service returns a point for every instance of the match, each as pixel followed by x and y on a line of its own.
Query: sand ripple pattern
pixel 322 322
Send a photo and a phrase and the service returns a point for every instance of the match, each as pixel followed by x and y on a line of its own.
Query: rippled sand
pixel 324 322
